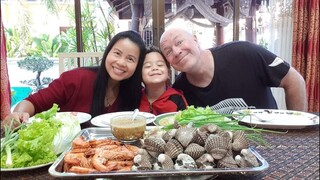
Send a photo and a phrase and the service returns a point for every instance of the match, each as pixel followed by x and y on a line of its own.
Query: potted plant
pixel 36 64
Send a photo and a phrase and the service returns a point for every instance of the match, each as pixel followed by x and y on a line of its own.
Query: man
pixel 233 70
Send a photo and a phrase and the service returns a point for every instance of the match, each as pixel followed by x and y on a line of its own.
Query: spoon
pixel 135 113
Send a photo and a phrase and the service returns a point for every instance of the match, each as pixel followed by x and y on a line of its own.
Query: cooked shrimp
pixel 93 151
pixel 79 150
pixel 82 170
pixel 125 168
pixel 80 143
pixel 98 162
pixel 119 164
pixel 102 142
pixel 132 148
pixel 117 155
pixel 76 159
pixel 99 155
pixel 66 167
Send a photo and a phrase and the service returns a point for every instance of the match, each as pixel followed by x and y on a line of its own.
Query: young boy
pixel 158 96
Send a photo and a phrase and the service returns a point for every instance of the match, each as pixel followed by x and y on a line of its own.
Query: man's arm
pixel 295 90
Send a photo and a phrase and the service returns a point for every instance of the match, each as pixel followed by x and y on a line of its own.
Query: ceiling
pixel 123 8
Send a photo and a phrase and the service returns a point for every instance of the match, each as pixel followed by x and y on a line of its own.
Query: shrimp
pixel 132 148
pixel 125 168
pixel 80 143
pixel 98 162
pixel 82 170
pixel 66 167
pixel 117 155
pixel 76 159
pixel 79 150
pixel 119 164
pixel 102 142
pixel 93 151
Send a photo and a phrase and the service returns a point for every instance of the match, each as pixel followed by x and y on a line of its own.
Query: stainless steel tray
pixel 56 169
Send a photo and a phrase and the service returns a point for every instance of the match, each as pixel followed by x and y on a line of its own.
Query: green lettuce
pixel 42 140
pixel 34 145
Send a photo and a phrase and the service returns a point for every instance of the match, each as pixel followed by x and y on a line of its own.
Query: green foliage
pixel 51 6
pixel 263 43
pixel 36 64
pixel 16 44
pixel 95 33
pixel 45 46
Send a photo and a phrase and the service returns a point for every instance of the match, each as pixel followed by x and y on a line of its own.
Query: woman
pixel 158 96
pixel 113 86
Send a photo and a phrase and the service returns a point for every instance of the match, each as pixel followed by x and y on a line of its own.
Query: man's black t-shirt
pixel 242 70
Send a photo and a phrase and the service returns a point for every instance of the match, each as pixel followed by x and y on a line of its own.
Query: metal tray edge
pixel 157 173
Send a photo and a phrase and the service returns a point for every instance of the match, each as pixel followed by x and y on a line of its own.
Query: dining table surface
pixel 293 154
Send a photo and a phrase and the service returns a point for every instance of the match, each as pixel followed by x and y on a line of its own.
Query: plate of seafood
pixel 278 119
pixel 96 153
pixel 104 119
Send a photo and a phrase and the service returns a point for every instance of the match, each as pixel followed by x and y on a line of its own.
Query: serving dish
pixel 56 169
pixel 165 119
pixel 81 116
pixel 25 168
pixel 278 119
pixel 104 119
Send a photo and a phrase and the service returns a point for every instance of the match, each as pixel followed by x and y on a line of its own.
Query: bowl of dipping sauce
pixel 127 130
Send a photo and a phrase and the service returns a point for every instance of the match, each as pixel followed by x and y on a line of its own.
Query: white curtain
pixel 280 30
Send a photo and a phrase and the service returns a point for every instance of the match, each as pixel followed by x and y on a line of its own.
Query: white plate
pixel 81 116
pixel 104 119
pixel 167 118
pixel 25 168
pixel 278 119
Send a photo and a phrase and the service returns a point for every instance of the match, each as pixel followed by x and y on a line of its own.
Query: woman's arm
pixel 21 112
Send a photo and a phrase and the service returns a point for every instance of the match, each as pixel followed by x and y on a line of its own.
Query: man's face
pixel 180 48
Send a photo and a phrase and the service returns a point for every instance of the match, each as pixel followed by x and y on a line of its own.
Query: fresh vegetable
pixel 70 129
pixel 9 141
pixel 49 113
pixel 36 143
pixel 204 115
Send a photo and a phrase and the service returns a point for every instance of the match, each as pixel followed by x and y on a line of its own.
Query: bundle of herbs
pixel 204 115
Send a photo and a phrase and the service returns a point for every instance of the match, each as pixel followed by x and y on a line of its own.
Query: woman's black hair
pixel 130 89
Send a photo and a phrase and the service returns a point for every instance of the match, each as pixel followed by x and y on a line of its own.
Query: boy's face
pixel 154 69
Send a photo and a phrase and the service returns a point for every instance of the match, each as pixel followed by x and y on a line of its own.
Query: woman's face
pixel 154 69
pixel 122 60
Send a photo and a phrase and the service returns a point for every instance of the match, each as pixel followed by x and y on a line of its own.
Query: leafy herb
pixel 8 143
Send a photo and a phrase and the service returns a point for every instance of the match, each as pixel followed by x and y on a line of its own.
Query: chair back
pixel 69 61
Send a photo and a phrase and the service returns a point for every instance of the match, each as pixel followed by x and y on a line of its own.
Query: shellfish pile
pixel 188 147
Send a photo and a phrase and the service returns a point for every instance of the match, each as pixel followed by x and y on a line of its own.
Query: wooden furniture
pixel 69 61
